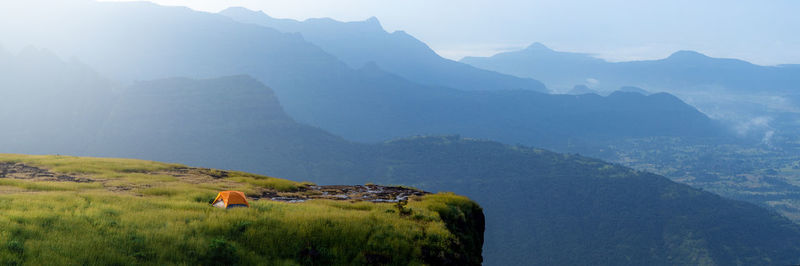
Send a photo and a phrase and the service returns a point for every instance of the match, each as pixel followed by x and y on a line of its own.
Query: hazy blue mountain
pixel 232 122
pixel 139 41
pixel 559 69
pixel 518 116
pixel 681 71
pixel 48 105
pixel 358 43
pixel 142 41
pixel 732 91
pixel 541 207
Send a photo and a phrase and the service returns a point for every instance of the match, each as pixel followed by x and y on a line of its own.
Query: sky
pixel 763 32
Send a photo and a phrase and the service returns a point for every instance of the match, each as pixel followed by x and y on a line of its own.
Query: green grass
pixel 169 222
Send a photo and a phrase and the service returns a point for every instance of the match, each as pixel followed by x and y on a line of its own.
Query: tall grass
pixel 170 222
pixel 106 228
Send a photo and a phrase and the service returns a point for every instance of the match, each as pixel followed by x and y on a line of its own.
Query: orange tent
pixel 230 199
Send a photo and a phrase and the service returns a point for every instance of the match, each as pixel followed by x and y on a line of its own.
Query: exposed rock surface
pixel 372 193
pixel 22 171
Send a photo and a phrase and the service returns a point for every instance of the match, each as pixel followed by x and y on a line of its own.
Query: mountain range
pixel 142 41
pixel 541 207
pixel 683 71
pixel 363 42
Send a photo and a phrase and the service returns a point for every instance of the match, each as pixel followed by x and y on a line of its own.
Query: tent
pixel 230 199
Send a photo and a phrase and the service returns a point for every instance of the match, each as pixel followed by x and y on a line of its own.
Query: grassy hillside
pixel 683 70
pixel 71 210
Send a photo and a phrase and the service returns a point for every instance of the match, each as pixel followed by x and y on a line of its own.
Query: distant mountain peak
pixel 372 23
pixel 237 9
pixel 243 10
pixel 537 46
pixel 373 20
pixel 687 54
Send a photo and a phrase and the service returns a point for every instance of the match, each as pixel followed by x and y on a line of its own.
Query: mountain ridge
pixel 397 52
pixel 681 70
